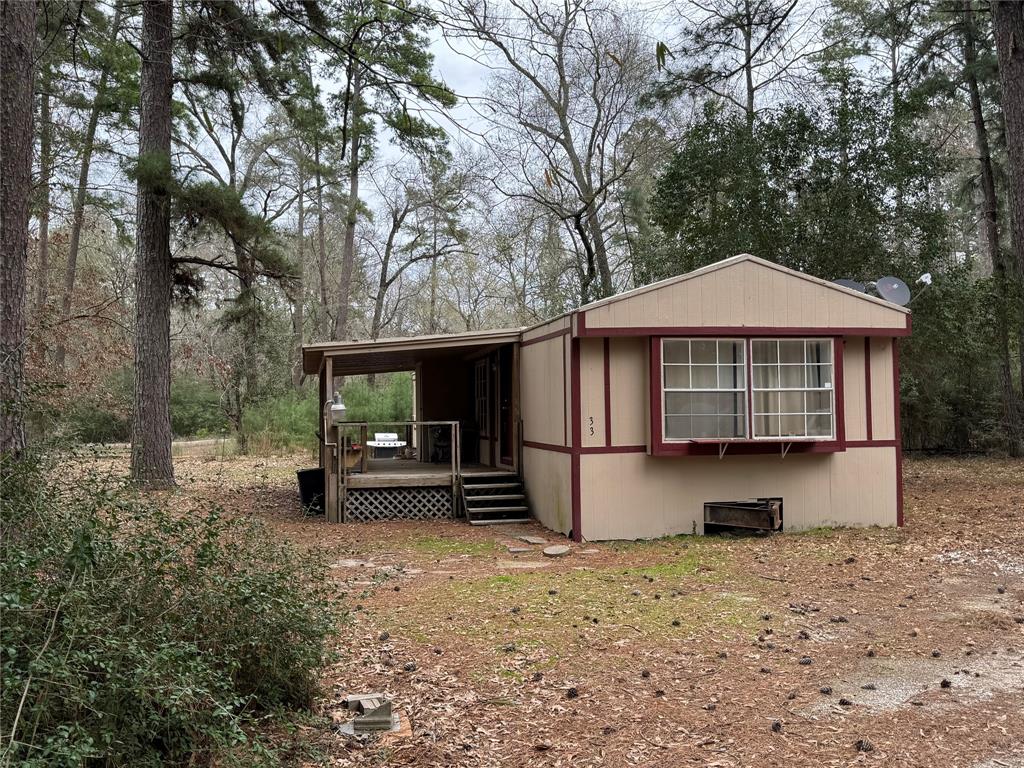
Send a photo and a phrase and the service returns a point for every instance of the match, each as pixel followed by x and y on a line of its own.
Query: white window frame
pixel 830 389
pixel 745 390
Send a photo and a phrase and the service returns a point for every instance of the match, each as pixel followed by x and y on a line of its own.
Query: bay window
pixel 708 385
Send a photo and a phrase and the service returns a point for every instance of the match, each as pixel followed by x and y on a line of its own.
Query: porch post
pixel 331 499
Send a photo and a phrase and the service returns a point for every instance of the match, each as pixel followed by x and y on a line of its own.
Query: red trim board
pixel 867 384
pixel 577 441
pixel 898 434
pixel 607 392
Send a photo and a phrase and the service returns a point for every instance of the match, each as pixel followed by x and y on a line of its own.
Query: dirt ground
pixel 826 648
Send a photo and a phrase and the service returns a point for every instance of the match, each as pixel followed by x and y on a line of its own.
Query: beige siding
pixel 633 495
pixel 882 413
pixel 548 487
pixel 630 398
pixel 544 390
pixel 744 294
pixel 562 323
pixel 854 389
pixel 592 392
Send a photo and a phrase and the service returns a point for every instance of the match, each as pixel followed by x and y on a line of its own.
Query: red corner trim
pixel 867 385
pixel 577 440
pixel 898 433
pixel 607 392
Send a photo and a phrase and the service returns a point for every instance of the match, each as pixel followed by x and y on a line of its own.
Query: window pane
pixel 764 351
pixel 705 403
pixel 730 352
pixel 766 402
pixel 819 376
pixel 677 427
pixel 731 377
pixel 792 377
pixel 677 377
pixel 819 351
pixel 677 351
pixel 703 351
pixel 792 402
pixel 766 376
pixel 819 425
pixel 766 426
pixel 793 425
pixel 678 403
pixel 704 376
pixel 791 351
pixel 732 403
pixel 819 402
pixel 731 426
pixel 705 426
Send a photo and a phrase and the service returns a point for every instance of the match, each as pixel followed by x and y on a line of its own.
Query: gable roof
pixel 732 261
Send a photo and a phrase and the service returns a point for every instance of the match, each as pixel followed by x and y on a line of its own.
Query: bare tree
pixel 564 112
pixel 17 40
pixel 740 50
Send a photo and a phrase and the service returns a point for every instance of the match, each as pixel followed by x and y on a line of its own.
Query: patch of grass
pixel 681 602
pixel 441 546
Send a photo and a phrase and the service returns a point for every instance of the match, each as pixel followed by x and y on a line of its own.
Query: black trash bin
pixel 311 490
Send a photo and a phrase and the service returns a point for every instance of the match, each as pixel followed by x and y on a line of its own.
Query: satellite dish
pixel 893 290
pixel 853 285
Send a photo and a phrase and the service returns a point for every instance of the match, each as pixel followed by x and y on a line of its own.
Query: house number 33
pixel 590 419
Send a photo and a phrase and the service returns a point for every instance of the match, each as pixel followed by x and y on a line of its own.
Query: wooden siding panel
pixel 592 392
pixel 629 391
pixel 719 298
pixel 883 423
pixel 547 479
pixel 544 391
pixel 854 389
pixel 630 496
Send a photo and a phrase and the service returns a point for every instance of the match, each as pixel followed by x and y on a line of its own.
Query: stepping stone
pixel 556 551
pixel 590 551
pixel 533 539
pixel 519 550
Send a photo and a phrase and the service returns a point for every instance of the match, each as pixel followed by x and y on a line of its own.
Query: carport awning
pixel 351 358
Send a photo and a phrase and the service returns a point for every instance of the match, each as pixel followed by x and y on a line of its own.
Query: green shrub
pixel 105 417
pixel 132 635
pixel 196 409
pixel 292 420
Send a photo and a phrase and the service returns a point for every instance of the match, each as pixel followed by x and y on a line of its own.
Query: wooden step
pixel 501 521
pixel 496 497
pixel 491 510
pixel 490 486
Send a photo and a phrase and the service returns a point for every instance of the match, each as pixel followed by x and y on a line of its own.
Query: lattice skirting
pixel 364 505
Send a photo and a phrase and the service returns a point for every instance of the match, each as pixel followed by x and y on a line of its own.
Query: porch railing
pixel 346 430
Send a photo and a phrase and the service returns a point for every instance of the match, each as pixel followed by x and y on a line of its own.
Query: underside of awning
pixel 350 358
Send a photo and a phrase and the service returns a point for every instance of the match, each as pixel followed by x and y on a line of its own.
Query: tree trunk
pixel 990 224
pixel 348 255
pixel 321 245
pixel 151 426
pixel 78 215
pixel 17 40
pixel 45 174
pixel 1008 19
pixel 299 299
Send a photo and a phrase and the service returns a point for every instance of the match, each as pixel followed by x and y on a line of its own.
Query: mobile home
pixel 641 415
